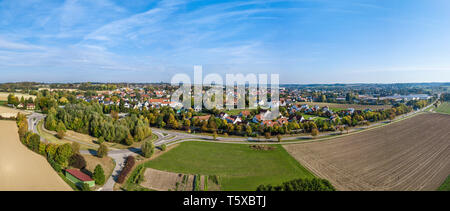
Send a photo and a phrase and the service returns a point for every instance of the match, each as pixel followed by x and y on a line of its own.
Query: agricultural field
pixel 164 181
pixel 337 106
pixel 443 108
pixel 21 169
pixel 412 154
pixel 239 167
pixel 4 96
pixel 11 112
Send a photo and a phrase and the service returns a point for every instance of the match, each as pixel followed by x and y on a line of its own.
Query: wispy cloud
pixel 152 39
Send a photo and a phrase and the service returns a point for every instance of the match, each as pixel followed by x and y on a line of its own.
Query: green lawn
pixel 444 108
pixel 307 116
pixel 236 111
pixel 238 166
pixel 446 185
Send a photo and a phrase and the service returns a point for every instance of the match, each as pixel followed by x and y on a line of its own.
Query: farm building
pixel 79 178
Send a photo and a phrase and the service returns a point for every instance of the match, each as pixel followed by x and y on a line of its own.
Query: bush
pixel 138 177
pixel 85 187
pixel 77 161
pixel 163 147
pixel 127 169
pixel 99 175
pixel 102 151
pixel 314 184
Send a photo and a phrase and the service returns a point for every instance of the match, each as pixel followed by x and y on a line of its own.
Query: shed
pixel 79 178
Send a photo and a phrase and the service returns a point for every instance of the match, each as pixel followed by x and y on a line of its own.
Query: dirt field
pixel 413 154
pixel 161 180
pixel 22 169
pixel 10 112
pixel 4 96
pixel 345 106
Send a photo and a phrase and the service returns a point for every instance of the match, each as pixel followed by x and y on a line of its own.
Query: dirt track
pixel 22 169
pixel 413 154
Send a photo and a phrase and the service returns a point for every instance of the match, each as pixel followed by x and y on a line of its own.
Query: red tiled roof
pixel 163 100
pixel 245 113
pixel 206 117
pixel 79 175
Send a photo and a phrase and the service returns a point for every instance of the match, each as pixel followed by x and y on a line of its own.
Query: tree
pixel 267 135
pixel 129 140
pixel 147 149
pixel 341 129
pixel 75 148
pixel 101 140
pixel 163 147
pixel 249 131
pixel 215 136
pixel 35 141
pixel 314 184
pixel 102 151
pixel 60 134
pixel 61 126
pixel 99 175
pixel 187 124
pixel 314 132
pixel 63 153
pixel 115 115
pixel 77 161
pixel 51 150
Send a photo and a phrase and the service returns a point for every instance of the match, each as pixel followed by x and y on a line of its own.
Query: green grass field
pixel 446 185
pixel 307 116
pixel 238 166
pixel 444 108
pixel 236 111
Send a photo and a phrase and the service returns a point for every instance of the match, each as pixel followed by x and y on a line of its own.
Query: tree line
pixel 314 184
pixel 58 156
pixel 90 119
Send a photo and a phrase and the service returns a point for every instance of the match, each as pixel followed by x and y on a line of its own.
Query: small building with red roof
pixel 79 178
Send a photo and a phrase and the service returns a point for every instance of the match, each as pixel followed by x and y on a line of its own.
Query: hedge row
pixel 127 169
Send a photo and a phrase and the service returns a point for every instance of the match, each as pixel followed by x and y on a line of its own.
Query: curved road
pixel 170 137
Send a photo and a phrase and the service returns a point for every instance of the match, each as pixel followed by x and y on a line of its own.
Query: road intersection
pixel 170 137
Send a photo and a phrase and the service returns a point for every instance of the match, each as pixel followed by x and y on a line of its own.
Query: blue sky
pixel 305 41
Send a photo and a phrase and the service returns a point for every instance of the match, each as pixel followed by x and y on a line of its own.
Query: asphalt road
pixel 170 137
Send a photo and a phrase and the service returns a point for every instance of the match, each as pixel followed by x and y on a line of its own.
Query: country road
pixel 170 137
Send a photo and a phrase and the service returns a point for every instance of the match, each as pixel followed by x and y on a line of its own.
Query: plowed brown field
pixel 412 154
pixel 20 168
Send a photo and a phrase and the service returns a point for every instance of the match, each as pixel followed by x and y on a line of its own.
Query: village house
pixel 31 106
